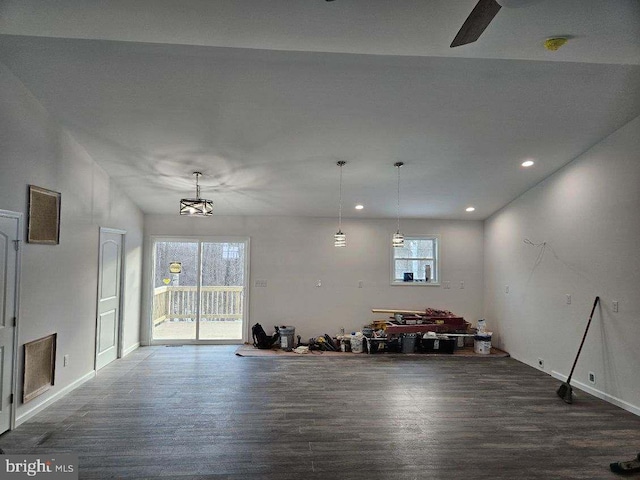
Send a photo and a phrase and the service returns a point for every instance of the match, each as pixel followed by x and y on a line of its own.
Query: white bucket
pixel 357 344
pixel 482 344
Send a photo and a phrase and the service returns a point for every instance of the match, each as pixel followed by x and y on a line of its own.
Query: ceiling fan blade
pixel 479 19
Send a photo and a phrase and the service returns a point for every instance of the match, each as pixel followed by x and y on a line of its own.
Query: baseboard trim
pixel 130 349
pixel 600 394
pixel 54 398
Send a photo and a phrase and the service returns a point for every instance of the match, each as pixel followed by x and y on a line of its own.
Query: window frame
pixel 437 262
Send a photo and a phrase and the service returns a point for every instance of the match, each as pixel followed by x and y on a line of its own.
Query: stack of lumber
pixel 427 320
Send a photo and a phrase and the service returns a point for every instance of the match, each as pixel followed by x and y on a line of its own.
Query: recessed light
pixel 470 209
pixel 359 207
pixel 527 163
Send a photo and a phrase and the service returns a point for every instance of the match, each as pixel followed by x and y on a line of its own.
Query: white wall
pixel 292 254
pixel 588 214
pixel 59 283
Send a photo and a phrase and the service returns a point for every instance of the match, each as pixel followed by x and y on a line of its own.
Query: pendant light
pixel 398 238
pixel 196 207
pixel 340 239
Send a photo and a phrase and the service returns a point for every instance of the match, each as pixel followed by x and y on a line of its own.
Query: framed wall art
pixel 39 367
pixel 44 216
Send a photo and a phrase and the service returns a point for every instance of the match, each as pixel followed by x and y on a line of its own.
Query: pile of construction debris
pixel 429 331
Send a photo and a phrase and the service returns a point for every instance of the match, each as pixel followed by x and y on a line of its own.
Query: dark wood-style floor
pixel 201 412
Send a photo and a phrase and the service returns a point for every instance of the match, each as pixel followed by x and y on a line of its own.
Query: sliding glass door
pixel 222 292
pixel 199 290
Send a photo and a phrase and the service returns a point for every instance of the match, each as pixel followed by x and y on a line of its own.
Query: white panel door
pixel 109 291
pixel 9 229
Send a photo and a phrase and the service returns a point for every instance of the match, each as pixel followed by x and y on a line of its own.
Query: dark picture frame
pixel 43 225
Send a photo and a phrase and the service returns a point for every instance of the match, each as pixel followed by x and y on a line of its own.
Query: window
pixel 411 264
pixel 230 251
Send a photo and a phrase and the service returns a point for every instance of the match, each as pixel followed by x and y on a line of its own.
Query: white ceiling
pixel 265 96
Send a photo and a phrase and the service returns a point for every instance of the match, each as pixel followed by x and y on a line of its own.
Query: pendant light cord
pixel 398 165
pixel 197 174
pixel 340 164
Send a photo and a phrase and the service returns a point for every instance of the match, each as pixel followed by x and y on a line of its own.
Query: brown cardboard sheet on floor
pixel 251 351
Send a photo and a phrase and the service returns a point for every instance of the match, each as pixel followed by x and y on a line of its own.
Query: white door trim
pixel 122 290
pixel 14 361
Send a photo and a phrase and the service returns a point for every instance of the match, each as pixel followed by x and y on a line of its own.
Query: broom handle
pixel 583 339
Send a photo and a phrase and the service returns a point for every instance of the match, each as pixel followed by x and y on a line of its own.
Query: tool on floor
pixel 565 391
pixel 626 468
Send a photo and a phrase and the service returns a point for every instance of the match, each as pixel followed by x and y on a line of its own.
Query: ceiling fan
pixel 480 18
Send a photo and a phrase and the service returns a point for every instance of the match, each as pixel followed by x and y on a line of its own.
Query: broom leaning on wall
pixel 565 392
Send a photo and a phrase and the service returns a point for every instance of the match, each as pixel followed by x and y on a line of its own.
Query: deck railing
pixel 180 303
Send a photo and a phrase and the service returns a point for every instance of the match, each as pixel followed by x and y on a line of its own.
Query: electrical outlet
pixel 447 285
pixel 592 378
pixel 568 299
pixel 541 363
pixel 614 304
pixel 66 360
pixel 462 285
pixel 260 283
pixel 506 289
